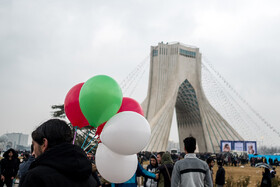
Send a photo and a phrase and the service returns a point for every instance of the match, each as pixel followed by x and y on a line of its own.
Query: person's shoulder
pixel 160 167
pixel 35 172
pixel 41 170
pixel 202 162
pixel 21 165
pixel 4 160
pixel 180 162
pixel 32 178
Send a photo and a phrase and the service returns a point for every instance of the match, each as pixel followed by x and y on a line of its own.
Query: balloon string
pixel 75 135
pixel 89 142
pixel 86 137
pixel 92 148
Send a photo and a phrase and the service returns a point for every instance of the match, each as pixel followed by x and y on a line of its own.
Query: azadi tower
pixel 175 82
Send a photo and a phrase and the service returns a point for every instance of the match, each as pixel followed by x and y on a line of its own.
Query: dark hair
pixel 209 160
pixel 190 144
pixel 154 157
pixel 56 131
pixel 160 153
pixel 220 162
pixel 6 154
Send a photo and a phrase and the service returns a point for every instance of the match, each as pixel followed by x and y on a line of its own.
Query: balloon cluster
pixel 119 120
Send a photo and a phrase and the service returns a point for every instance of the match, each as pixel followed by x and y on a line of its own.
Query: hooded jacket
pixel 62 165
pixel 150 168
pixel 165 171
pixel 9 168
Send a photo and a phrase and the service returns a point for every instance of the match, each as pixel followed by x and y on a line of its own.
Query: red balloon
pixel 72 107
pixel 128 104
pixel 100 128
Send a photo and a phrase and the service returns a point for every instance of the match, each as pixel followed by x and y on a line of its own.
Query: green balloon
pixel 100 99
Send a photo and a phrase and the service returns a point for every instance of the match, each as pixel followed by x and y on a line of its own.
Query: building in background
pixel 17 141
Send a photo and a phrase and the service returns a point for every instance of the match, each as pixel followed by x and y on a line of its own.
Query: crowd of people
pixel 55 161
pixel 229 159
pixel 255 160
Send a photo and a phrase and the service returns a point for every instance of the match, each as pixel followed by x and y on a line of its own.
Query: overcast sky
pixel 46 47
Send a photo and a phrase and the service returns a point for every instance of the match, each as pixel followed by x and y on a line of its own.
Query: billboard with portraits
pixel 251 147
pixel 226 146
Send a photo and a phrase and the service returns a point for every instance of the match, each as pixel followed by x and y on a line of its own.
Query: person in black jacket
pixel 58 162
pixel 9 167
pixel 266 179
pixel 221 174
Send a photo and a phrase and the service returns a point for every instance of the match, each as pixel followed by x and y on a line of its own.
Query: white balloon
pixel 114 167
pixel 126 133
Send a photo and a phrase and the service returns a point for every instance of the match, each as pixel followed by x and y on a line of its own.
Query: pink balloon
pixel 128 104
pixel 72 107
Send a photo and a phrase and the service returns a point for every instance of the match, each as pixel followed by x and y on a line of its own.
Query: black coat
pixel 220 176
pixel 63 165
pixel 9 168
pixel 266 180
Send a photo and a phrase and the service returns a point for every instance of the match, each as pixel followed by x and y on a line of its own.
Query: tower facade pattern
pixel 175 83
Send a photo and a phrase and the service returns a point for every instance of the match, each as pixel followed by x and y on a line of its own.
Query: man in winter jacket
pixel 149 182
pixel 191 171
pixel 57 161
pixel 165 170
pixel 9 167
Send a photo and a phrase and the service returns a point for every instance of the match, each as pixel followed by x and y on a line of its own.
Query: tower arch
pixel 175 82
